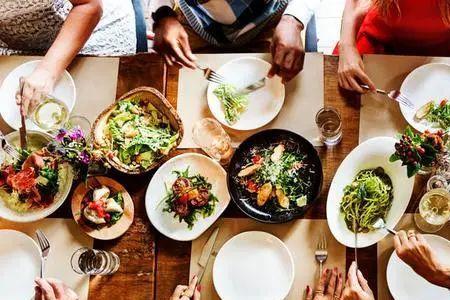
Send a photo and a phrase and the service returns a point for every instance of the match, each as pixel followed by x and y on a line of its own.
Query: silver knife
pixel 355 230
pixel 253 87
pixel 206 254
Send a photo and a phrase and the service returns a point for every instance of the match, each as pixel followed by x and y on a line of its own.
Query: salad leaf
pixel 234 104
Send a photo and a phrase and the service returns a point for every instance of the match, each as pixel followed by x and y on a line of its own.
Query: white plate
pixel 427 83
pixel 20 263
pixel 253 265
pixel 264 104
pixel 64 91
pixel 165 222
pixel 371 154
pixel 404 283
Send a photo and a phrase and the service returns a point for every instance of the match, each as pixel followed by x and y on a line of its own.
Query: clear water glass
pixel 81 122
pixel 209 135
pixel 433 211
pixel 329 121
pixel 94 262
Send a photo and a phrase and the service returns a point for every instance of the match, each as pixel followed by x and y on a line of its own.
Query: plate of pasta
pixel 366 187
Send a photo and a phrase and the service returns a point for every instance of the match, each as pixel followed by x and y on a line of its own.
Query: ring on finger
pixel 319 292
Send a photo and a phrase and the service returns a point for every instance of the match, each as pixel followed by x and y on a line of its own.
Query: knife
pixel 253 87
pixel 206 254
pixel 355 230
pixel 23 128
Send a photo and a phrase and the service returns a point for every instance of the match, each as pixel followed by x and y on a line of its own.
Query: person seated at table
pixel 200 25
pixel 184 292
pixel 403 27
pixel 415 251
pixel 62 29
pixel 53 289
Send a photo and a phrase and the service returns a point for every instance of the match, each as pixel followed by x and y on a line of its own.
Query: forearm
pixel 354 13
pixel 76 30
pixel 302 10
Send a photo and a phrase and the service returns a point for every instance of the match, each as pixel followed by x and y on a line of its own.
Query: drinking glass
pixel 433 211
pixel 329 122
pixel 209 135
pixel 94 262
pixel 81 122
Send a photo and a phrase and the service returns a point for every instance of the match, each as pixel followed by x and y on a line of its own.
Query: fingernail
pixel 327 271
pixel 199 288
pixel 307 289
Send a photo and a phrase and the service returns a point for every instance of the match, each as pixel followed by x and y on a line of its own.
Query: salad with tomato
pixel 102 207
pixel 189 197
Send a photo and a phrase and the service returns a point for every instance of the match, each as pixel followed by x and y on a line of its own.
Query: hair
pixel 387 7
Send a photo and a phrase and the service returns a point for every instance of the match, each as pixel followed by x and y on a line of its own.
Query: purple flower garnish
pixel 61 134
pixel 84 157
pixel 76 133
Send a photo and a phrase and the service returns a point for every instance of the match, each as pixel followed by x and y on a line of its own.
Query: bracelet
pixel 161 13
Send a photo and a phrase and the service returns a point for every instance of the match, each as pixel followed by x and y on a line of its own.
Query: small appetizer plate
pixel 165 222
pixel 427 83
pixel 20 264
pixel 64 90
pixel 103 232
pixel 264 104
pixel 405 283
pixel 371 154
pixel 253 265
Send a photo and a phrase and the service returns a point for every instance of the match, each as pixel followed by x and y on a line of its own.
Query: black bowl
pixel 246 201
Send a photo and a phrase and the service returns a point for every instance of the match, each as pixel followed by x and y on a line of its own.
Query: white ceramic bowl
pixel 371 154
pixel 165 222
pixel 427 83
pixel 404 283
pixel 264 104
pixel 20 264
pixel 64 91
pixel 253 265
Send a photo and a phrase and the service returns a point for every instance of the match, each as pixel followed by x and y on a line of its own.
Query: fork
pixel 45 249
pixel 321 252
pixel 10 150
pixel 395 95
pixel 211 75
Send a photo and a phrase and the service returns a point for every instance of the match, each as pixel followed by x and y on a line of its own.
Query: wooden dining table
pixel 152 264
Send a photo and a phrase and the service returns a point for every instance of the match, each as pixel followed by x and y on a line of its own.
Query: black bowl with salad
pixel 275 175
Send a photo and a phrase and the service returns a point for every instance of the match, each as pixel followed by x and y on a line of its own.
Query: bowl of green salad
pixel 138 131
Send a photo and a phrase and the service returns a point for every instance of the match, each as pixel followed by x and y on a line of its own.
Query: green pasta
pixel 367 198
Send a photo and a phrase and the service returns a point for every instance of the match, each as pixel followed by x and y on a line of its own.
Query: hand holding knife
pixel 206 254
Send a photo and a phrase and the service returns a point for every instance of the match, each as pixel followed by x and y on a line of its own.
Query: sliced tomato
pixel 256 159
pixel 443 102
pixel 183 199
pixel 252 186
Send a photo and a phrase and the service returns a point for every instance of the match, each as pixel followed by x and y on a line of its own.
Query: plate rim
pixel 265 235
pixel 209 92
pixel 158 173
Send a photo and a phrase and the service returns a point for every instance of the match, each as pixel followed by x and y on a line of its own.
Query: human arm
pixel 356 286
pixel 415 251
pixel 53 289
pixel 351 67
pixel 76 30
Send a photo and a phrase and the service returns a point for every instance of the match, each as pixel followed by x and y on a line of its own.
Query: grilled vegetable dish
pixel 277 175
pixel 234 104
pixel 102 207
pixel 138 134
pixel 189 197
pixel 366 199
pixel 437 115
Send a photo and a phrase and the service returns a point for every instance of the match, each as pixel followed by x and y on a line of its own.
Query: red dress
pixel 419 30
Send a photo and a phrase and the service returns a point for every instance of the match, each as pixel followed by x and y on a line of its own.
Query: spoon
pixel 380 224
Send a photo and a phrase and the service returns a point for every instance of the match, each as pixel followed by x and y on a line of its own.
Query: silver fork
pixel 395 95
pixel 211 75
pixel 321 252
pixel 10 150
pixel 45 249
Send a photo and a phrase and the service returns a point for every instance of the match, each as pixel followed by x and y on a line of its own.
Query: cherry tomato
pixel 252 186
pixel 256 159
pixel 443 102
pixel 183 199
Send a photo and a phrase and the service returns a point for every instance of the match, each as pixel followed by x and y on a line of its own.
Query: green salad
pixel 139 134
pixel 439 114
pixel 366 199
pixel 234 104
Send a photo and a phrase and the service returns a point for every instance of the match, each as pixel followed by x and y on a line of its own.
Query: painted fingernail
pixel 199 288
pixel 327 271
pixel 307 289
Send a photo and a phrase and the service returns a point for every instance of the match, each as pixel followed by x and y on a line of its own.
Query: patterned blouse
pixel 31 26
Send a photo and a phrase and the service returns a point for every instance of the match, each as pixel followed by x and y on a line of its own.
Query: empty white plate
pixel 404 283
pixel 263 104
pixel 427 83
pixel 20 264
pixel 253 265
pixel 167 223
pixel 371 154
pixel 64 91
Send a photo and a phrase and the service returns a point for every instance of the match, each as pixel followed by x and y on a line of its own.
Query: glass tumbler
pixel 329 121
pixel 433 211
pixel 94 262
pixel 209 135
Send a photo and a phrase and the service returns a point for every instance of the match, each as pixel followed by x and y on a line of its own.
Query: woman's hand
pixel 33 88
pixel 183 292
pixel 356 287
pixel 53 289
pixel 351 70
pixel 287 49
pixel 328 288
pixel 415 251
pixel 171 41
